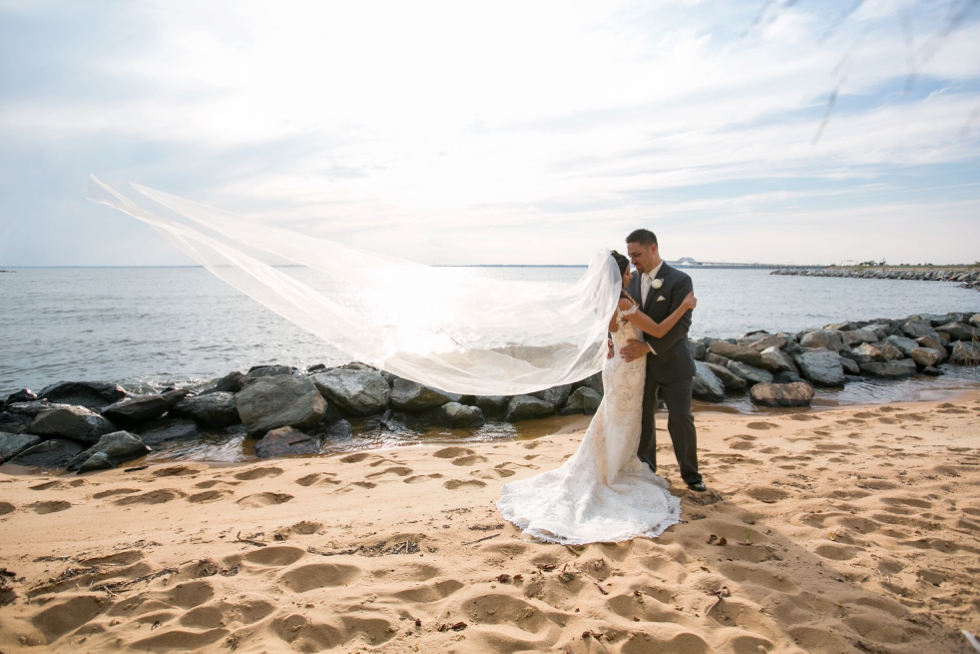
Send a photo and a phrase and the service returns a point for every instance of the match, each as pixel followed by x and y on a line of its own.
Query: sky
pixel 775 131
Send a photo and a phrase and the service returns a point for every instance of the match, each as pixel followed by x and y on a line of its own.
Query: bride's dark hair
pixel 624 266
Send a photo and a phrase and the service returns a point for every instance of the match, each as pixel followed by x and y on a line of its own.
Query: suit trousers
pixel 680 425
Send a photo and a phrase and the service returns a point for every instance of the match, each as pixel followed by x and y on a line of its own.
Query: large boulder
pixel 826 339
pixel 975 320
pixel 925 357
pixel 360 392
pixel 849 365
pixel 74 422
pixel 13 444
pixel 707 386
pixel 932 343
pixel 904 345
pixel 260 372
pixel 161 431
pixel 340 430
pixel 775 395
pixel 14 422
pixel 286 441
pixel 582 400
pixel 527 407
pixel 454 414
pixel 742 353
pixel 23 395
pixel 699 350
pixel 918 328
pixel 857 336
pixel 414 397
pixel 54 453
pixel 776 360
pixel 959 332
pixel 117 447
pixel 494 406
pixel 731 381
pixel 890 369
pixel 777 341
pixel 890 352
pixel 866 353
pixel 230 383
pixel 135 409
pixel 750 374
pixel 557 395
pixel 91 395
pixel 822 367
pixel 217 409
pixel 593 381
pixel 965 353
pixel 279 401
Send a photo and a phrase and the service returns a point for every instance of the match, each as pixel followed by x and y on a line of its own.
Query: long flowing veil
pixel 446 328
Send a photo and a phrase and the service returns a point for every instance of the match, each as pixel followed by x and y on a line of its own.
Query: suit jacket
pixel 673 361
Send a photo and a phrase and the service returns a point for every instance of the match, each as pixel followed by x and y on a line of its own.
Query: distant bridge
pixel 687 262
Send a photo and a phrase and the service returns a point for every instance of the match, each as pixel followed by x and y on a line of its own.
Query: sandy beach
pixel 845 530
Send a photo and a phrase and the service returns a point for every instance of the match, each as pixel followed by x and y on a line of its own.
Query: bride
pixel 603 493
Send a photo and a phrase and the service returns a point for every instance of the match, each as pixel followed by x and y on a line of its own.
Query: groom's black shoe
pixel 698 487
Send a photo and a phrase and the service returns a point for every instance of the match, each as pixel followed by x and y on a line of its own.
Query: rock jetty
pixel 89 426
pixel 966 279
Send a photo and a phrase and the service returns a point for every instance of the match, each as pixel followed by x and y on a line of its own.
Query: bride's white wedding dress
pixel 603 493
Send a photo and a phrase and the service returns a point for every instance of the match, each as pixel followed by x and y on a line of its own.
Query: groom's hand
pixel 611 353
pixel 634 350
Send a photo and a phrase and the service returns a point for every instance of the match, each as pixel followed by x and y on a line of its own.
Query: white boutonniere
pixel 657 283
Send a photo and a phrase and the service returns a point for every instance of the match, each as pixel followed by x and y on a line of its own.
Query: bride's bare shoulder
pixel 625 304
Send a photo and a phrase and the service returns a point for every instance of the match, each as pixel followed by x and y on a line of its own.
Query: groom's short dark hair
pixel 644 237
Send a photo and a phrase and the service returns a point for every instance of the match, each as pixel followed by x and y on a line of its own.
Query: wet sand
pixel 845 530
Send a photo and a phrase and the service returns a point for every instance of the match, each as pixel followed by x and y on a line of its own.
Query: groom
pixel 659 290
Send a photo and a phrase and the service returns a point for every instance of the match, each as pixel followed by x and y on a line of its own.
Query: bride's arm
pixel 657 330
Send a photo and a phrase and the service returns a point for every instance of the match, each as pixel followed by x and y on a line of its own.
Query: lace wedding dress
pixel 603 493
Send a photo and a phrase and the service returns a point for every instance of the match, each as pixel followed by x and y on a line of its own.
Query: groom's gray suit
pixel 670 373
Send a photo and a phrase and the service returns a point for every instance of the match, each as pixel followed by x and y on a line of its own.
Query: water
pixel 180 325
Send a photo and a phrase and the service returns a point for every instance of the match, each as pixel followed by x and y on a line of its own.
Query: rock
pixel 742 353
pixel 905 345
pixel 792 349
pixel 959 332
pixel 135 409
pixel 414 397
pixel 592 381
pixel 707 386
pixel 13 444
pixel 454 414
pixel 716 359
pixel 775 395
pixel 750 338
pixel 115 448
pixel 777 341
pixel 260 372
pixel 824 338
pixel 932 372
pixel 917 329
pixel 493 405
pixel 54 453
pixel 858 336
pixel 279 401
pixel 230 383
pixel 286 441
pixel 965 353
pixel 389 377
pixel 527 407
pixel 850 366
pixel 98 461
pixel 932 343
pixel 890 369
pixel 731 381
pixel 340 430
pixel 975 320
pixel 360 392
pixel 699 350
pixel 91 395
pixel 23 395
pixel 162 431
pixel 12 422
pixel 822 367
pixel 750 374
pixel 74 422
pixel 557 395
pixel 776 360
pixel 582 400
pixel 786 377
pixel 866 353
pixel 216 409
pixel 925 357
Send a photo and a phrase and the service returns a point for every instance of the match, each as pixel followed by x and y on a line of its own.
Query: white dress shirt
pixel 646 283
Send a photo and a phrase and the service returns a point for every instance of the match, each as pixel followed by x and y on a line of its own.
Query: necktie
pixel 645 287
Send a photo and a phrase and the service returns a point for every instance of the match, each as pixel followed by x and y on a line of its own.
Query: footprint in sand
pixel 60 617
pixel 211 483
pixel 7 507
pixel 317 477
pixel 305 528
pixel 114 491
pixel 50 507
pixel 355 458
pixel 452 453
pixel 275 556
pixel 761 425
pixel 177 471
pixel 48 485
pixel 429 593
pixel 208 496
pixel 453 484
pixel 365 484
pixel 469 460
pixel 418 479
pixel 258 473
pixel 401 471
pixel 153 497
pixel 319 575
pixel 264 499
pixel 766 494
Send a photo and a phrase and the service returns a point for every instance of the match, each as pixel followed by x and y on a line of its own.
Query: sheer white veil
pixel 455 330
